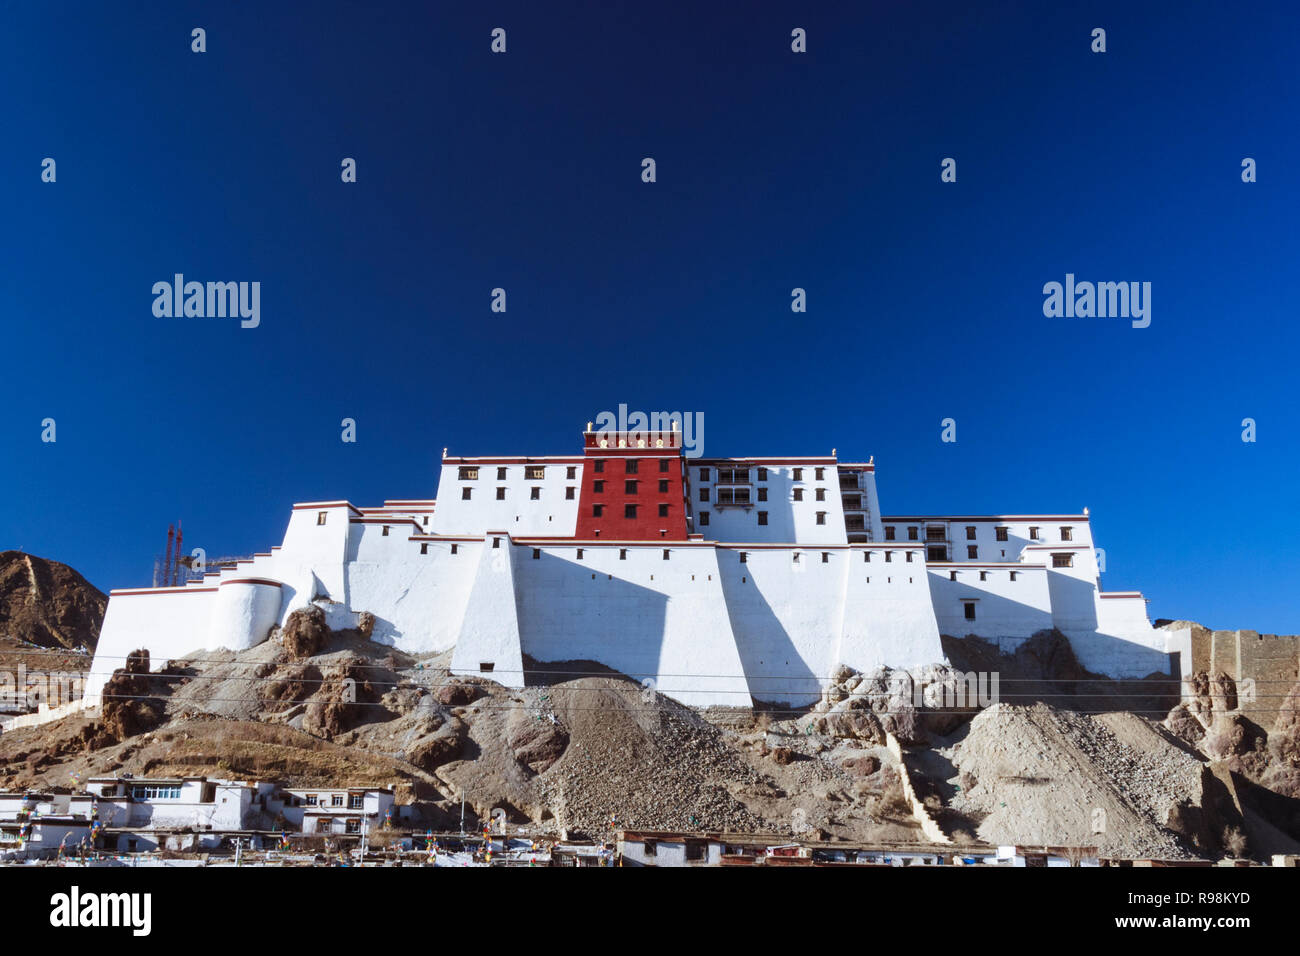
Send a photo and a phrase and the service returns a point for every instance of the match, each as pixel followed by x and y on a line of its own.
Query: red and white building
pixel 723 580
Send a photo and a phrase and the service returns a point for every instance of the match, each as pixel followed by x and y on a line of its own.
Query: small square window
pixel 762 474
pixel 762 517
pixel 1033 532
pixel 704 474
pixel 465 493
pixel 501 494
pixel 704 518
pixel 663 464
pixel 571 472
pixel 663 487
pixel 970 610
pixel 797 493
pixel 629 486
pixel 454 548
pixel 568 493
pixel 972 552
pixel 744 557
pixel 598 465
pixel 666 553
pixel 819 473
pixel 821 494
pixel 384 533
pixel 580 554
pixel 797 474
pixel 535 493
pixel 762 494
pixel 826 557
pixel 629 511
pixel 598 486
pixel 1001 533
pixel 663 511
pixel 622 554
pixel 424 547
pixel 821 517
pixel 909 557
pixel 630 466
pixel 321 516
pixel 913 534
pixel 970 532
pixel 537 553
pixel 889 532
pixel 704 494
pixel 597 510
pixel 534 472
pixel 467 474
pixel 501 473
pixel 1067 534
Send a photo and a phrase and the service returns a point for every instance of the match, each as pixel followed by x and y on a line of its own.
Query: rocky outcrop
pixel 48 603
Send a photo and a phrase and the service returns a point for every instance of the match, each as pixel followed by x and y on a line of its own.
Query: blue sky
pixel 775 170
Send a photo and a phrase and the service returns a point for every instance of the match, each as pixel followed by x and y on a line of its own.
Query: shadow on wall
pixel 570 612
pixel 775 669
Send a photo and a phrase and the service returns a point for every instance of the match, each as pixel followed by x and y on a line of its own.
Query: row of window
pixel 355 800
pixel 151 792
pixel 703 516
pixel 740 475
pixel 630 486
pixel 531 472
pixel 938 533
pixel 631 466
pixel 629 510
pixel 534 494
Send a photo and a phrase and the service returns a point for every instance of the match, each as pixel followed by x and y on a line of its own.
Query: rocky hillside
pixel 49 604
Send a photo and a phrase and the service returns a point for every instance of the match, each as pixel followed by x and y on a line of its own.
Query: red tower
pixel 633 487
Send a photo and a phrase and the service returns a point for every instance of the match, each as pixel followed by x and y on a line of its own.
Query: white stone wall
pixel 551 514
pixel 788 521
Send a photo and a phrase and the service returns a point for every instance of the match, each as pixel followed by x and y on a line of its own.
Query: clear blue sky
pixel 775 170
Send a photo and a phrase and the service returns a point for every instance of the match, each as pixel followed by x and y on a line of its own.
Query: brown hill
pixel 48 603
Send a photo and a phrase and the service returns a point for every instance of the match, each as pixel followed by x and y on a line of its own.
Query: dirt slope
pixel 48 603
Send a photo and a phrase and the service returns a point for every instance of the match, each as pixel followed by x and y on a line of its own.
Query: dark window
pixel 970 532
pixel 571 472
pixel 321 516
pixel 704 518
pixel 1067 534
pixel 1062 560
pixel 580 554
pixel 465 493
pixel 665 554
pixel 568 493
pixel 630 465
pixel 496 542
pixel 466 473
pixel 663 511
pixel 972 551
pixel 537 553
pixel 663 487
pixel 762 517
pixel 704 474
pixel 598 486
pixel 819 473
pixel 798 494
pixel 536 493
pixel 762 474
pixel 629 486
pixel 889 556
pixel 385 531
pixel 826 557
pixel 424 548
pixel 1033 532
pixel 984 575
pixel 629 511
pixel 501 474
pixel 704 494
pixel 821 494
pixel 744 558
pixel 622 554
pixel 762 494
pixel 889 532
pixel 970 610
pixel 501 494
pixel 453 548
pixel 598 465
pixel 1001 533
pixel 821 517
pixel 937 553
pixel 597 510
pixel 909 557
pixel 913 534
pixel 534 472
pixel 797 474
pixel 663 464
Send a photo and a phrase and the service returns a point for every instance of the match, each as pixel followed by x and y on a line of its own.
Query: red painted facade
pixel 645 477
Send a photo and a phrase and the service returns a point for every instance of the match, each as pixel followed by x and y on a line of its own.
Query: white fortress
pixel 725 581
